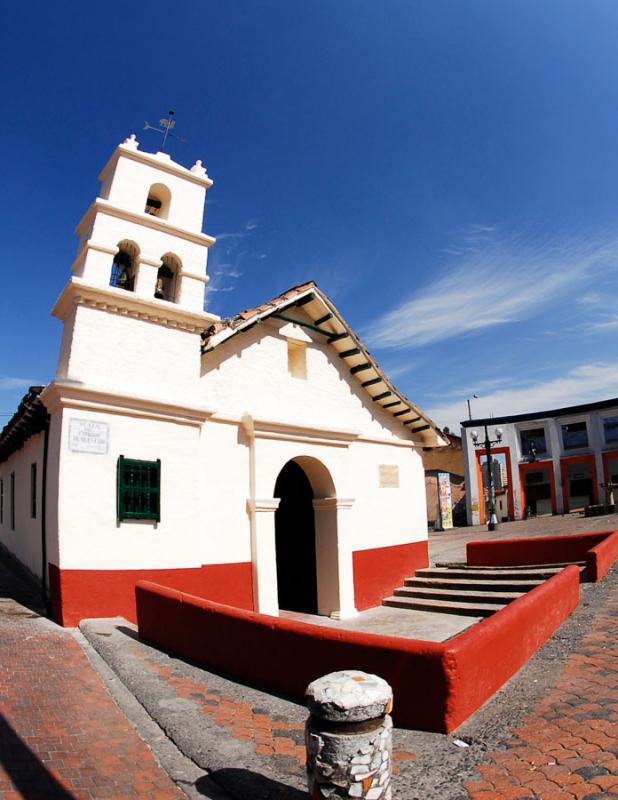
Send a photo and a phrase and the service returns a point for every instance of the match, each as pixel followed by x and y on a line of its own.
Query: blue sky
pixel 447 172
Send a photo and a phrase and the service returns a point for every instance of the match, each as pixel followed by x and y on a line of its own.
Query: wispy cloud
pixel 584 384
pixel 226 259
pixel 9 384
pixel 491 279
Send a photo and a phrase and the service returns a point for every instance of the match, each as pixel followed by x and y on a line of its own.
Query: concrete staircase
pixel 470 591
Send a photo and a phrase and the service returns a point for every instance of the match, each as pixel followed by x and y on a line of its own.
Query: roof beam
pixel 337 337
pixel 360 368
pixel 372 382
pixel 347 353
pixel 285 318
pixel 302 301
pixel 324 319
pixel 394 403
pixel 410 421
pixel 421 428
pixel 381 396
pixel 400 413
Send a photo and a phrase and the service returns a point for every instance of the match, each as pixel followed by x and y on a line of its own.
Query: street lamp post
pixel 492 524
pixel 475 397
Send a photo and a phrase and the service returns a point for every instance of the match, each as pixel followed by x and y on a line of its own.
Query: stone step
pixel 465 595
pixel 444 606
pixel 481 573
pixel 464 565
pixel 497 585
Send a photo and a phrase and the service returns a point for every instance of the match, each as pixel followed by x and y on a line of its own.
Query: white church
pixel 262 461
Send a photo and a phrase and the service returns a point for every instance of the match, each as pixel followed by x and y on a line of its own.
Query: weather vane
pixel 165 129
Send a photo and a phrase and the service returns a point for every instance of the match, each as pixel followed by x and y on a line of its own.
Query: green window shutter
pixel 138 491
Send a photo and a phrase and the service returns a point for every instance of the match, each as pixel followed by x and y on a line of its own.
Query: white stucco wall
pixel 249 374
pixel 90 536
pixel 25 540
pixel 128 354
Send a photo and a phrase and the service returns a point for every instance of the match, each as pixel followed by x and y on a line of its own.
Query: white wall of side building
pixel 23 539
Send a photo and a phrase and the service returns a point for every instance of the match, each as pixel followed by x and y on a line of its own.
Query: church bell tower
pixel 133 309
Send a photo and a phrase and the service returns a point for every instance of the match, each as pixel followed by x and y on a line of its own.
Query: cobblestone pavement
pixel 568 746
pixel 61 734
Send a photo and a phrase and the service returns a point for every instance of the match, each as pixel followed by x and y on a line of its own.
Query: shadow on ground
pixel 247 785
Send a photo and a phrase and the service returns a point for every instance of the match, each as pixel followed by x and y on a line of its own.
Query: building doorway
pixel 578 483
pixel 538 491
pixel 295 541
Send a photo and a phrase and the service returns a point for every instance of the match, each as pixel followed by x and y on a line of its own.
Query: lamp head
pixel 499 433
pixel 475 436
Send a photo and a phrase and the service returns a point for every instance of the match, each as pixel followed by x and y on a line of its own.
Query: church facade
pixel 263 461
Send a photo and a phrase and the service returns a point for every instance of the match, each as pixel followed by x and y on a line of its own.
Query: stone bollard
pixel 348 736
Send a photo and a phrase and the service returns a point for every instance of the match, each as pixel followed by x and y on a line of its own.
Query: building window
pixel 12 501
pixel 610 428
pixel 574 435
pixel 533 442
pixel 33 491
pixel 297 359
pixel 138 489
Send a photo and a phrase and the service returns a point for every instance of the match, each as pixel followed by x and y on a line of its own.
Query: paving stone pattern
pixel 568 746
pixel 61 734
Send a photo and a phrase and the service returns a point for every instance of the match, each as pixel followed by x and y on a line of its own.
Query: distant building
pixel 447 460
pixel 551 462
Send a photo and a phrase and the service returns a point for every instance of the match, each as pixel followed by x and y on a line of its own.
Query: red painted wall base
pixel 436 685
pixel 380 570
pixel 78 594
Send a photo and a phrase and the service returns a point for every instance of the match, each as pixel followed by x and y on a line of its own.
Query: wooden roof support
pixel 355 351
pixel 381 396
pixel 360 368
pixel 372 382
pixel 337 337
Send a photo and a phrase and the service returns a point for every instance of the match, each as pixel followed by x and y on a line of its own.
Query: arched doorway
pixel 295 541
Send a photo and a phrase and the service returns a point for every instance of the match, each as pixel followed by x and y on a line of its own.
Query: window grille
pixel 138 489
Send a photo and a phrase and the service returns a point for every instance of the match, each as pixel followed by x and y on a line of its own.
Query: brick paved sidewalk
pixel 567 747
pixel 61 734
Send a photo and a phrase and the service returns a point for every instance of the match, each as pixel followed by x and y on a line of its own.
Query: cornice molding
pixel 153 160
pixel 118 301
pixel 268 504
pixel 333 503
pixel 105 207
pixel 69 394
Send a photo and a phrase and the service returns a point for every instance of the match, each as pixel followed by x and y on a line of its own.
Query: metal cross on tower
pixel 165 129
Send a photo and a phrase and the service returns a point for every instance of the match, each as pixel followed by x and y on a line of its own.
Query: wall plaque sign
pixel 389 476
pixel 88 436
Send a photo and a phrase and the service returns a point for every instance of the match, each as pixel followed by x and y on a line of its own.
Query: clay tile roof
pixel 30 418
pixel 233 323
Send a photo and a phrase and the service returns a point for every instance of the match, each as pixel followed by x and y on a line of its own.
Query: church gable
pixel 296 358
